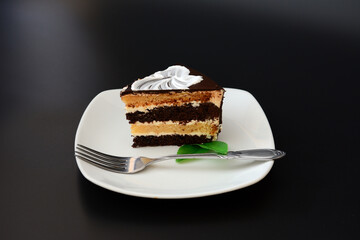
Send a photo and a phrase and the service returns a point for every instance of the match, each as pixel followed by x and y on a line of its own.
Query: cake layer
pixel 150 107
pixel 165 140
pixel 187 112
pixel 208 128
pixel 148 100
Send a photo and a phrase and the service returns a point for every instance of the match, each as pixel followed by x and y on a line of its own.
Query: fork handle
pixel 252 154
pixel 257 154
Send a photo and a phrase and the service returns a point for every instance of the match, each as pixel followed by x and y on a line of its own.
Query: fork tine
pixel 100 160
pixel 105 157
pixel 102 165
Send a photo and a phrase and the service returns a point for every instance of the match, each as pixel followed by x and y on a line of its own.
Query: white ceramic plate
pixel 103 127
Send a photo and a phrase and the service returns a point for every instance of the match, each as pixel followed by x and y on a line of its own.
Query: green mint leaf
pixel 189 149
pixel 216 146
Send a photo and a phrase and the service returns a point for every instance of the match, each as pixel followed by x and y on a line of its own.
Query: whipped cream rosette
pixel 174 77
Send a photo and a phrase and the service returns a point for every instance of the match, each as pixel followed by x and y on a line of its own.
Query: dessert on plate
pixel 175 106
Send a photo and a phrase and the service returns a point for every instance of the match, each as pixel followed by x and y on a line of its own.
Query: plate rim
pixel 171 196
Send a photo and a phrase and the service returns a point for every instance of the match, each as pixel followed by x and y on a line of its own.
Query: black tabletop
pixel 299 59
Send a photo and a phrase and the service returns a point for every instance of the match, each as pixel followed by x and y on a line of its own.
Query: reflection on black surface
pixel 104 206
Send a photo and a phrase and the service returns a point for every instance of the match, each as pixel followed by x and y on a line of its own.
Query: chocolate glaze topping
pixel 205 85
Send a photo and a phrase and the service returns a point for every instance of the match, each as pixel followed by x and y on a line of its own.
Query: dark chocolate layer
pixel 205 85
pixel 187 112
pixel 165 140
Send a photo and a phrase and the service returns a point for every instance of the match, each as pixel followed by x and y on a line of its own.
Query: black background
pixel 300 59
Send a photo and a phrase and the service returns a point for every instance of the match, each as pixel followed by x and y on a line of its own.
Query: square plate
pixel 103 127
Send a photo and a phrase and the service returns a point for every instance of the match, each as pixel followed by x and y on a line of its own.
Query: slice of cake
pixel 173 107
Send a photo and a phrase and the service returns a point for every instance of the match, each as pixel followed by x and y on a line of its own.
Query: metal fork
pixel 136 164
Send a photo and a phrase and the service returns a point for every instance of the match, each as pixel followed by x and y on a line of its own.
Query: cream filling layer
pixel 209 128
